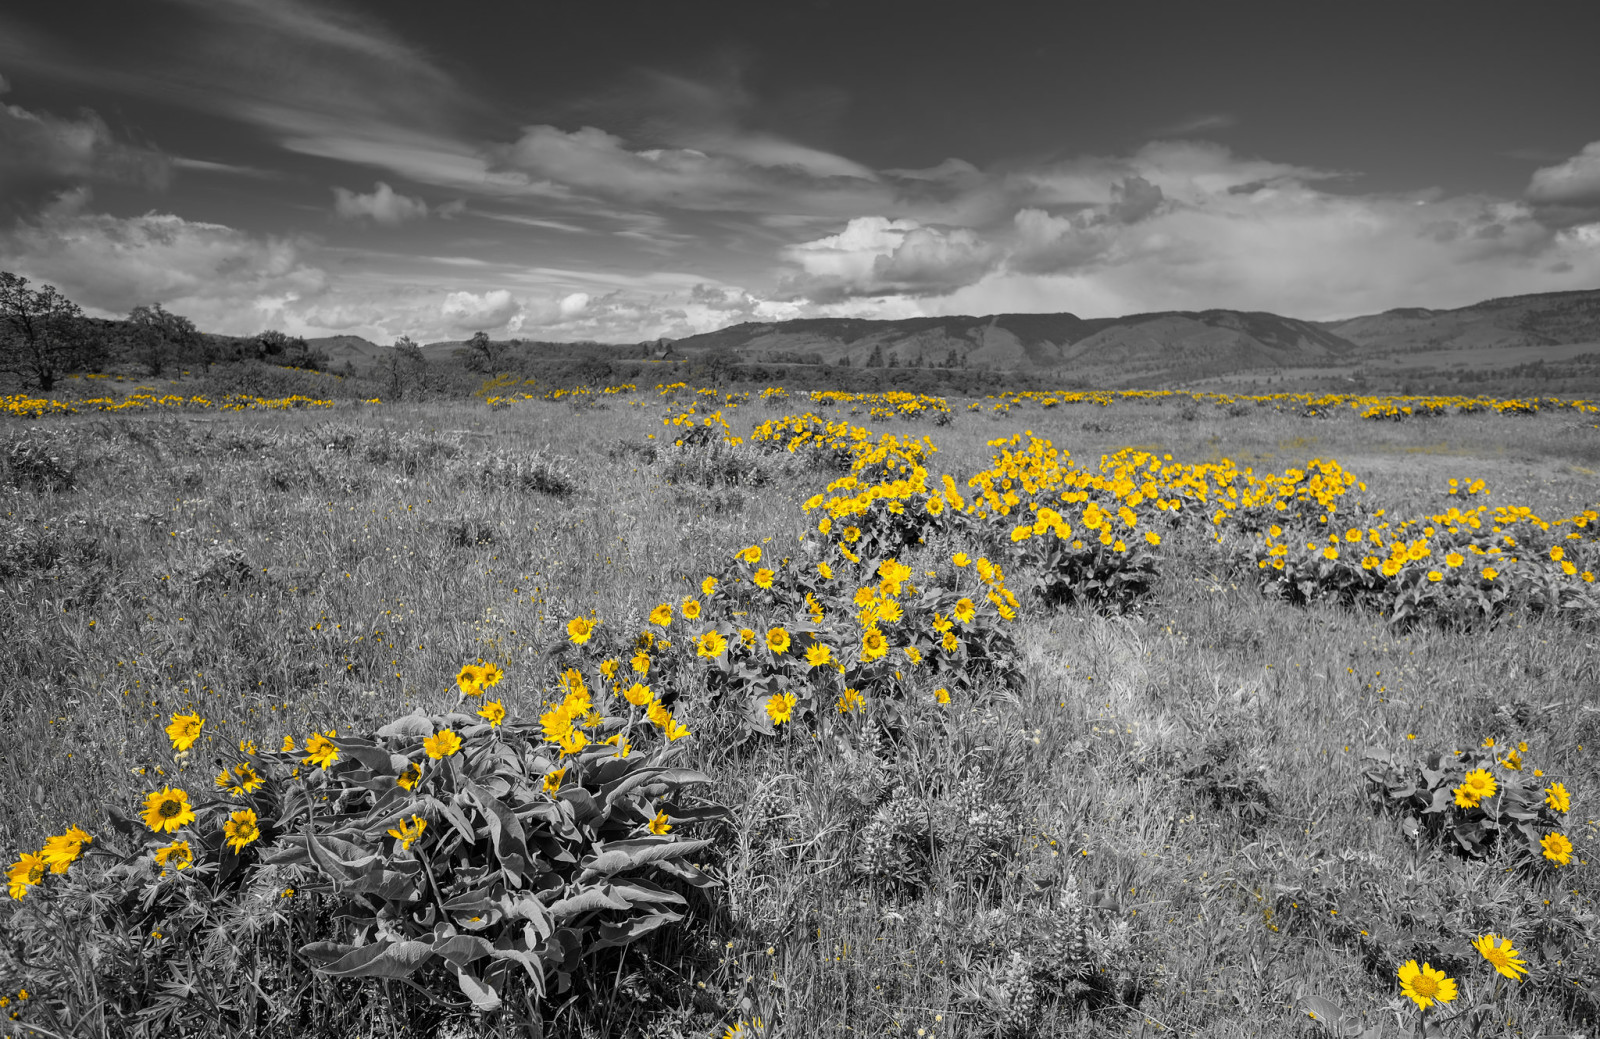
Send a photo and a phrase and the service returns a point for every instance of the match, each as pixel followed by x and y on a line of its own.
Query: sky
pixel 626 171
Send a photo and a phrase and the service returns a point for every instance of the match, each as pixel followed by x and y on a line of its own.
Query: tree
pixel 403 369
pixel 482 354
pixel 717 365
pixel 271 343
pixel 42 332
pixel 160 337
pixel 876 358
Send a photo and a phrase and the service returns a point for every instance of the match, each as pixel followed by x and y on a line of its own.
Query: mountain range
pixel 1137 349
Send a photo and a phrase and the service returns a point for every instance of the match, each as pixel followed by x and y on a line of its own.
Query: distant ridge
pixel 1164 344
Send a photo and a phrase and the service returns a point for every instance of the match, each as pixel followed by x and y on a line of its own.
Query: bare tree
pixel 42 332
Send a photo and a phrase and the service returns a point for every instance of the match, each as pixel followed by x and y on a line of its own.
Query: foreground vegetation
pixel 673 714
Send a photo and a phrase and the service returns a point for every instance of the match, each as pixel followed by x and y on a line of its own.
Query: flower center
pixel 170 808
pixel 36 874
pixel 1425 986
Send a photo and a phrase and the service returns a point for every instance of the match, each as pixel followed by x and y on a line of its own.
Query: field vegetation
pixel 659 712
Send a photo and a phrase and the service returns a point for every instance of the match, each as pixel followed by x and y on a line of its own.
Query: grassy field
pixel 1162 823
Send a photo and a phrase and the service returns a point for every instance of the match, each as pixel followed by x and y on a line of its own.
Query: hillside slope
pixel 1543 319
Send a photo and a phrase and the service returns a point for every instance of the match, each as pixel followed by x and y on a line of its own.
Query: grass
pixel 1192 770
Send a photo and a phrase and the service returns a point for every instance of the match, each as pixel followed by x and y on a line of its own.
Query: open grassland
pixel 1201 780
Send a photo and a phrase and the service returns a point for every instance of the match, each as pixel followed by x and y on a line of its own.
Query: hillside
pixel 1544 319
pixel 1179 346
pixel 1139 344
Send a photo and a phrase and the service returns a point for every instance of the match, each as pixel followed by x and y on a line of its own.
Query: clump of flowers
pixel 1475 802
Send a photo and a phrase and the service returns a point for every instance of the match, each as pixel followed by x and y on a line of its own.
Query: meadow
pixel 772 714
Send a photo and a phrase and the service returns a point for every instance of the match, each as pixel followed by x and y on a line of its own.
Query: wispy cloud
pixel 1196 124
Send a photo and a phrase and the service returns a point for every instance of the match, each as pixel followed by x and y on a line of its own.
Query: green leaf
pixel 621 855
pixel 387 960
pixel 587 900
pixel 482 994
pixel 505 832
pixel 642 891
pixel 415 724
pixel 462 949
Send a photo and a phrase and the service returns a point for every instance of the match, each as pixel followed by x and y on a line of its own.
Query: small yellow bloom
pixel 708 586
pixel 661 615
pixel 494 711
pixel 690 608
pixel 184 729
pixel 61 852
pixel 711 644
pixel 469 680
pixel 1502 955
pixel 177 855
pixel 818 654
pixel 579 629
pixel 409 779
pixel 552 780
pixel 1556 796
pixel 778 640
pixel 1426 986
pixel 762 578
pixel 320 750
pixel 442 744
pixel 241 829
pixel 780 707
pixel 167 809
pixel 26 872
pixel 1557 848
pixel 942 696
pixel 751 555
pixel 409 830
pixel 659 825
pixel 239 780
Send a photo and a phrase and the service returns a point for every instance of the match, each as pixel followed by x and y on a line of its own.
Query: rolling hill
pixel 1171 345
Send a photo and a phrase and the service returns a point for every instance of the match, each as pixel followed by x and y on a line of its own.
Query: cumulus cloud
pixel 486 311
pixel 876 256
pixel 1133 199
pixel 212 273
pixel 1187 225
pixel 383 205
pixel 41 151
pixel 1568 193
pixel 1575 180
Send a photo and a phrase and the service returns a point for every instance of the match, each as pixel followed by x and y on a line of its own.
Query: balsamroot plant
pixel 480 851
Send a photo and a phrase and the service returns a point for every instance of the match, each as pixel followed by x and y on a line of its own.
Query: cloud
pixel 1191 225
pixel 43 152
pixel 876 256
pixel 211 273
pixel 1197 124
pixel 1133 199
pixel 1568 192
pixel 384 205
pixel 1575 180
pixel 487 311
pixel 724 171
